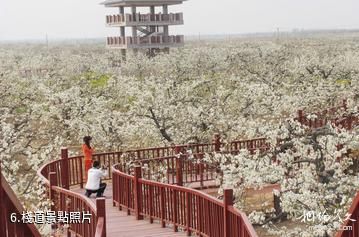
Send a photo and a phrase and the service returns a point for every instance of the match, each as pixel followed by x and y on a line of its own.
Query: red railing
pixel 183 163
pixel 251 145
pixel 329 116
pixel 171 204
pixel 351 228
pixel 58 176
pixel 10 208
pixel 239 224
pixel 182 167
pixel 189 209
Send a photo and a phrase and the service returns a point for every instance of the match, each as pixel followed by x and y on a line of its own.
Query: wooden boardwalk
pixel 119 224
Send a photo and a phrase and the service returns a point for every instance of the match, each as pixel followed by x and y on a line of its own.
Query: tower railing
pixel 171 18
pixel 151 40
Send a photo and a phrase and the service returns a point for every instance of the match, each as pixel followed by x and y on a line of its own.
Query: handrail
pixel 351 228
pixel 179 206
pixel 9 204
pixel 67 200
pixel 237 222
pixel 100 227
pixel 329 115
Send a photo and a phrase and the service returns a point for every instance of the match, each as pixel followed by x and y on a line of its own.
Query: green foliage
pixel 131 100
pixel 95 79
pixel 21 110
pixel 343 82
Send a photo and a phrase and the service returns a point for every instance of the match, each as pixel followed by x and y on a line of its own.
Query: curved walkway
pixel 119 224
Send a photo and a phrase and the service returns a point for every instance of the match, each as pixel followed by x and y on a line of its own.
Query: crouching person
pixel 94 184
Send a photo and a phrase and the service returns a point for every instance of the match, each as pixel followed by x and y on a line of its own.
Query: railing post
pixel 189 214
pixel 217 142
pixel 251 147
pixel 163 207
pixel 65 168
pixel 81 174
pixel 345 105
pixel 349 123
pixel 53 182
pixel 2 201
pixel 300 116
pixel 227 201
pixel 101 212
pixel 114 189
pixel 175 210
pixel 138 193
pixel 201 170
pixel 179 164
pixel 150 203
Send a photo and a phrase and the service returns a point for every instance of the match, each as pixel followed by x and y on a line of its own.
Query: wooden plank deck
pixel 119 224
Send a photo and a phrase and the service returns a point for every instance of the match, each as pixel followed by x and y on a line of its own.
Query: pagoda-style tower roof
pixel 140 3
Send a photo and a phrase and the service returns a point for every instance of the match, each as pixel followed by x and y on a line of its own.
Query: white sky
pixel 33 19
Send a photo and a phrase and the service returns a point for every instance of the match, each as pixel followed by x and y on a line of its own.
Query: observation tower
pixel 148 30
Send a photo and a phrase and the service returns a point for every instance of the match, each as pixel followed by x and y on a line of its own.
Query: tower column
pixel 152 29
pixel 122 28
pixel 165 28
pixel 153 12
pixel 165 11
pixel 134 28
pixel 123 32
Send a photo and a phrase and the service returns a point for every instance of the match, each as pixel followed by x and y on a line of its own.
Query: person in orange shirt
pixel 87 150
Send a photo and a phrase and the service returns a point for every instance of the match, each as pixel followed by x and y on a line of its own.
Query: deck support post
pixel 138 193
pixel 227 201
pixel 65 168
pixel 101 212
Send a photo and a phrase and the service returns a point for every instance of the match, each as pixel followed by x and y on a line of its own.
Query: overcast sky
pixel 33 19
